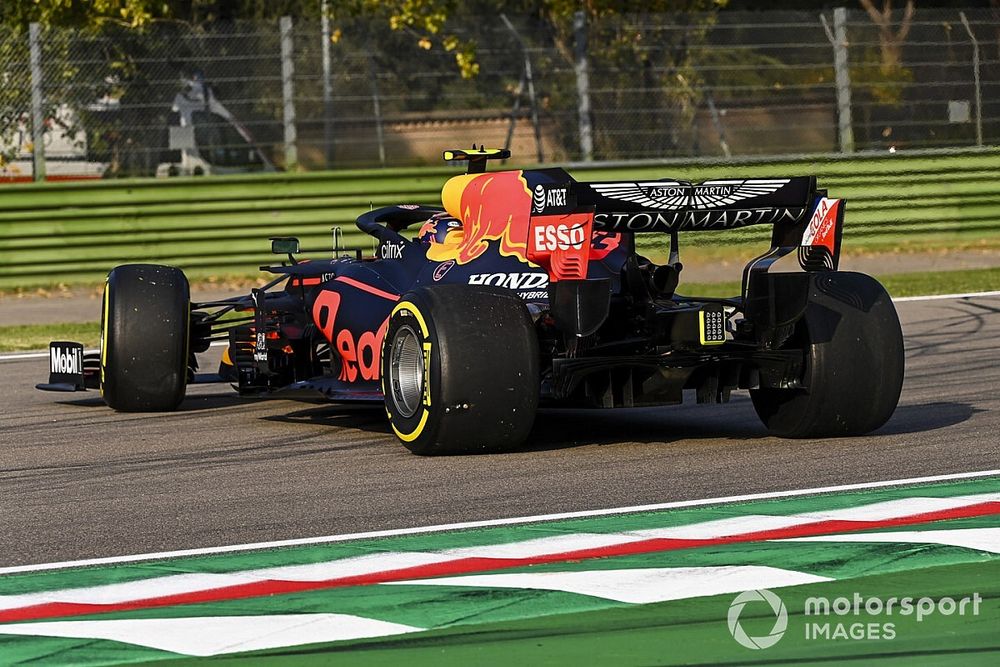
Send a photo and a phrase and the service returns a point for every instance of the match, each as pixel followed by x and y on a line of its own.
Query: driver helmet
pixel 441 229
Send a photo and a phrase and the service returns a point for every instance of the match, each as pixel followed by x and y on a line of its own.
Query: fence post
pixel 327 89
pixel 583 86
pixel 719 128
pixel 376 105
pixel 529 79
pixel 288 92
pixel 843 79
pixel 975 74
pixel 37 103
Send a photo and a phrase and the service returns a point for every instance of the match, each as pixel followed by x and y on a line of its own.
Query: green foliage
pixel 625 55
pixel 142 13
pixel 429 21
pixel 883 84
pixel 81 13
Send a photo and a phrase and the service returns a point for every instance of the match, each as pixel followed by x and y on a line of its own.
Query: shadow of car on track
pixel 927 417
pixel 364 417
pixel 191 403
pixel 565 428
pixel 568 428
pixel 562 428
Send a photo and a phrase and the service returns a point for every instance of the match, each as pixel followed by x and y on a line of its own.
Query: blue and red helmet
pixel 441 229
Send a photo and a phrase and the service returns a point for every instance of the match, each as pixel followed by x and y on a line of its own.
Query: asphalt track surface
pixel 80 481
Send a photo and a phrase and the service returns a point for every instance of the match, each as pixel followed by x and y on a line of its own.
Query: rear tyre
pixel 145 331
pixel 460 370
pixel 853 366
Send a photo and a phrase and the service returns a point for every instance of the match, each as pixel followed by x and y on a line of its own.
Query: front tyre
pixel 853 363
pixel 460 370
pixel 145 331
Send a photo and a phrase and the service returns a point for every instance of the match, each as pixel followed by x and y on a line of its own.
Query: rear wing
pixel 802 217
pixel 510 204
pixel 669 205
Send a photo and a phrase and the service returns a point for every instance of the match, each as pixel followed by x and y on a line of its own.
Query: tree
pixel 428 20
pixel 891 38
pixel 142 13
pixel 135 51
pixel 648 79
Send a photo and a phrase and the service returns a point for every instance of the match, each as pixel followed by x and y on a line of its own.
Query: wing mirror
pixel 284 245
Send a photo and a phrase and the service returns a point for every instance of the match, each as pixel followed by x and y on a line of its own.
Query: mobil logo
pixel 66 360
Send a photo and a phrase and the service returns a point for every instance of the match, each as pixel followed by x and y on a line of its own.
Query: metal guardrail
pixel 76 232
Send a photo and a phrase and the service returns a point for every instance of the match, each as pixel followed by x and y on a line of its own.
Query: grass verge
pixel 24 337
pixel 898 284
pixel 700 247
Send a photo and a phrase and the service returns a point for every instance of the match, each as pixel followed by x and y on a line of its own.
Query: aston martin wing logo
pixel 654 194
pixel 675 195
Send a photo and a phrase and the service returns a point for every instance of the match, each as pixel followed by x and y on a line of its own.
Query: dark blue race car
pixel 524 288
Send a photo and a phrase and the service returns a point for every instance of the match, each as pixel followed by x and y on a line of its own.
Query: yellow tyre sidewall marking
pixel 410 308
pixel 427 374
pixel 413 435
pixel 413 310
pixel 104 331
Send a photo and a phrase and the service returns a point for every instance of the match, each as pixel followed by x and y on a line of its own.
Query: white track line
pixel 45 355
pixel 27 355
pixel 936 297
pixel 933 297
pixel 114 560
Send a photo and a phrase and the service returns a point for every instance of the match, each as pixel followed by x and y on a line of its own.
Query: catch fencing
pixel 727 84
pixel 72 232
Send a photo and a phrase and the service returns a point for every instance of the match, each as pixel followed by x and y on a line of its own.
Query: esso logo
pixel 559 237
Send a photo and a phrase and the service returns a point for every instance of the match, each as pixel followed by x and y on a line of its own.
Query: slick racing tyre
pixel 853 363
pixel 460 370
pixel 144 338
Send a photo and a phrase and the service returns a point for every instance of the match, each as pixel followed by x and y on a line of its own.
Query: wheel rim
pixel 406 371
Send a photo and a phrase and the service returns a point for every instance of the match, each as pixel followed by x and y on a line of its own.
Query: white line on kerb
pixel 114 560
pixel 933 297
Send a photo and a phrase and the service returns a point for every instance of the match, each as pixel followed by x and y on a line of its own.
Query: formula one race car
pixel 525 289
